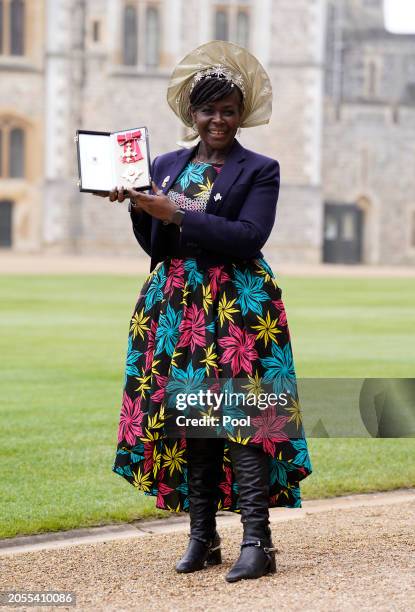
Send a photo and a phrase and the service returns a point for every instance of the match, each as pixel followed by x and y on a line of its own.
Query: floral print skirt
pixel 204 328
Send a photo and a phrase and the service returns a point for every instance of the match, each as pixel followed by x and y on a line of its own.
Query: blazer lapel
pixel 180 162
pixel 230 172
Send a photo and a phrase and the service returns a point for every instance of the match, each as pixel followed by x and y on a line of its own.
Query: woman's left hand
pixel 158 206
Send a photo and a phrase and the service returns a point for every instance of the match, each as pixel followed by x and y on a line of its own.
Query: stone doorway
pixel 343 231
pixel 6 222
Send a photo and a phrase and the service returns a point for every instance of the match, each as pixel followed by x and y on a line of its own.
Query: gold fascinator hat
pixel 230 61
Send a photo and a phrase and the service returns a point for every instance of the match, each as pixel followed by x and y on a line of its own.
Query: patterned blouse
pixel 192 189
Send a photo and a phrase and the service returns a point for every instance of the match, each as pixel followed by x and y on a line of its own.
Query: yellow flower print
pixel 176 509
pixel 185 293
pixel 173 361
pixel 141 481
pixel 226 309
pixel 238 438
pixel 268 329
pixel 150 436
pixel 144 384
pixel 156 421
pixel 173 458
pixel 156 461
pixel 207 297
pixel 204 189
pixel 138 324
pixel 254 385
pixel 260 270
pixel 210 358
pixel 295 413
pixel 154 367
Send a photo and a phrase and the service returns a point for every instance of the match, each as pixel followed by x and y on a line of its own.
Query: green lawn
pixel 63 342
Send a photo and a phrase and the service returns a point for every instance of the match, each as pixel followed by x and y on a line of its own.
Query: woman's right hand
pixel 117 194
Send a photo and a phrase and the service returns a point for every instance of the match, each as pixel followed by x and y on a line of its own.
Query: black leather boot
pixel 257 557
pixel 204 457
pixel 200 554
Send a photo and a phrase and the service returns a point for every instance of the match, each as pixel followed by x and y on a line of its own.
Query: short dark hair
pixel 211 89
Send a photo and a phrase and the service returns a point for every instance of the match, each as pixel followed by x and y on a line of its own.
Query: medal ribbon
pixel 129 142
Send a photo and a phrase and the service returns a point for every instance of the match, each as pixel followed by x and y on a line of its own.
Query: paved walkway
pixel 19 263
pixel 339 554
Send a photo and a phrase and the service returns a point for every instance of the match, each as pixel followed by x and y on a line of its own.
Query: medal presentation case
pixel 110 159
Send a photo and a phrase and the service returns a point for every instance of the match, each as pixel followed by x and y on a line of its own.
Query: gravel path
pixel 338 560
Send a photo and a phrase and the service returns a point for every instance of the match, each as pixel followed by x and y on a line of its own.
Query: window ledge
pixel 20 63
pixel 139 71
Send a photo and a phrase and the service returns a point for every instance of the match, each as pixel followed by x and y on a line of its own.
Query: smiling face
pixel 217 122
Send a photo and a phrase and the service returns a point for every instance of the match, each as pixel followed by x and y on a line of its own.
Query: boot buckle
pixel 268 549
pixel 256 543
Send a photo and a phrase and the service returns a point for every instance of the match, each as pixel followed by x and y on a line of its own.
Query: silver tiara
pixel 222 72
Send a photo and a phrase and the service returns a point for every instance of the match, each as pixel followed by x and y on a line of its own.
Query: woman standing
pixel 210 317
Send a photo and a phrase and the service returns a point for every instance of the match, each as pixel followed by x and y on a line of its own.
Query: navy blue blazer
pixel 239 216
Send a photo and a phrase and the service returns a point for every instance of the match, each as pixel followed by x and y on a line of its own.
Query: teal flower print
pixel 194 277
pixel 155 290
pixel 193 173
pixel 131 361
pixel 185 381
pixel 302 457
pixel 168 331
pixel 183 488
pixel 265 266
pixel 250 292
pixel 280 369
pixel 278 473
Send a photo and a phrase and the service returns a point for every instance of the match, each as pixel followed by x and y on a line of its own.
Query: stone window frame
pixel 233 9
pixel 8 124
pixel 6 34
pixel 373 75
pixel 142 11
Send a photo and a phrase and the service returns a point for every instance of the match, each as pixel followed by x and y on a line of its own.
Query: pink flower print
pixel 175 277
pixel 216 277
pixel 158 396
pixel 192 328
pixel 239 349
pixel 130 420
pixel 162 489
pixel 270 429
pixel 150 344
pixel 282 319
pixel 148 456
pixel 226 487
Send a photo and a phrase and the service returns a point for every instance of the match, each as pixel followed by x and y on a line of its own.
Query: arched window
pixel 16 153
pixel 221 25
pixel 372 79
pixel 17 19
pixel 152 36
pixel 242 29
pixel 12 149
pixel 130 40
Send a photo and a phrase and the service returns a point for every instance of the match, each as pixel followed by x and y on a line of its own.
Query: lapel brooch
pixel 165 181
pixel 217 197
